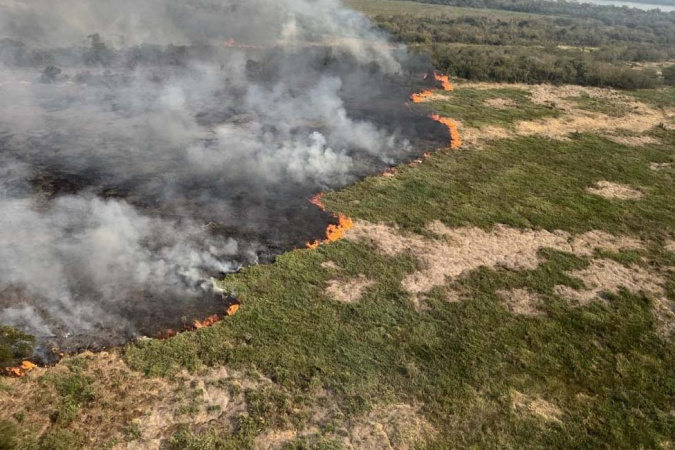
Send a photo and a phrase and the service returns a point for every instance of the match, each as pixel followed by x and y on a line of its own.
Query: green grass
pixel 603 365
pixel 660 98
pixel 75 390
pixel 604 106
pixel 525 182
pixel 469 106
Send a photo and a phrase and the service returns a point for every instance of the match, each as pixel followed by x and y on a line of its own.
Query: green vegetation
pixel 473 107
pixel 8 435
pixel 14 345
pixel 660 98
pixel 603 365
pixel 75 390
pixel 604 105
pixel 525 182
pixel 60 439
pixel 549 45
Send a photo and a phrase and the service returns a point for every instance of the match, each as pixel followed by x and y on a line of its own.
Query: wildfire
pixel 316 200
pixel 230 311
pixel 445 81
pixel 426 95
pixel 391 172
pixel 455 138
pixel 207 322
pixel 421 97
pixel 333 231
pixel 21 370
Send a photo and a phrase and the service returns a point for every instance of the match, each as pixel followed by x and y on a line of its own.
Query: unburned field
pixel 515 293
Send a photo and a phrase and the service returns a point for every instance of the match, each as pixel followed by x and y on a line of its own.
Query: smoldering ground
pixel 149 146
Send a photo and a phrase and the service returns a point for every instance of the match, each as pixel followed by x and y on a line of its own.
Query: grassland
pixel 456 367
pixel 527 351
pixel 604 365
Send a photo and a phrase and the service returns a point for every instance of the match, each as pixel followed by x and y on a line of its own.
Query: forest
pixel 549 44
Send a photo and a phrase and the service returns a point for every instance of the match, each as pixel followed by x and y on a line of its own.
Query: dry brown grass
pixel 610 190
pixel 604 275
pixel 398 426
pixel 659 166
pixel 348 290
pixel 632 141
pixel 500 103
pixel 521 301
pixel 642 117
pixel 458 251
pixel 536 406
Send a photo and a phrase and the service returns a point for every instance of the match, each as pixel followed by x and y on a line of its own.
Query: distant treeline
pixel 522 65
pixel 609 15
pixel 565 43
pixel 628 44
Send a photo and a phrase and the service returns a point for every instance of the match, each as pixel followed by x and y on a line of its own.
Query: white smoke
pixel 186 126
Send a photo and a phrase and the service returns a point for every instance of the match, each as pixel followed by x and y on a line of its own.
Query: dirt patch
pixel 476 136
pixel 500 103
pixel 121 397
pixel 400 427
pixel 605 275
pixel 274 440
pixel 610 190
pixel 585 244
pixel 521 302
pixel 536 406
pixel 348 290
pixel 641 117
pixel 330 265
pixel 670 245
pixel 633 141
pixel 457 251
pixel 124 400
pixel 659 166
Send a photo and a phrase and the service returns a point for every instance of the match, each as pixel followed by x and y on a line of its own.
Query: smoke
pixel 149 145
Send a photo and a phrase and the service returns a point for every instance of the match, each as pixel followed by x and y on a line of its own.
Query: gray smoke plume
pixel 147 146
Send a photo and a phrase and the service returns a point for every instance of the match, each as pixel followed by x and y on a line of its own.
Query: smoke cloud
pixel 147 146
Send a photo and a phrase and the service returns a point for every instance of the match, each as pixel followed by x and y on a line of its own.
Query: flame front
pixel 445 81
pixel 455 139
pixel 333 231
pixel 421 97
pixel 21 370
pixel 316 200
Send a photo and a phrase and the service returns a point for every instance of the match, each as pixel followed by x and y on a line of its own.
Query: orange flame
pixel 230 311
pixel 334 232
pixel 316 200
pixel 390 172
pixel 207 322
pixel 445 81
pixel 421 97
pixel 455 138
pixel 21 370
